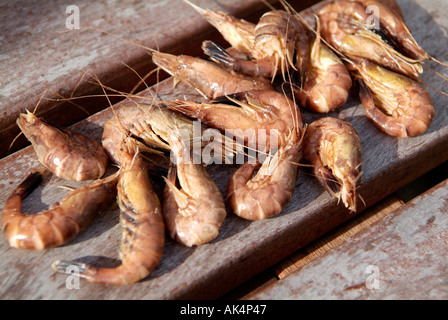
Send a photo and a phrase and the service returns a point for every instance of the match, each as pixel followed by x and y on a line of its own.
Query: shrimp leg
pixel 61 222
pixel 143 234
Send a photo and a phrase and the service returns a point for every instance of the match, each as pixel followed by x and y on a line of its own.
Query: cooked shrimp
pixel 208 78
pixel 62 221
pixel 344 27
pixel 333 148
pixel 396 104
pixel 194 210
pixel 259 191
pixel 392 23
pixel 244 115
pixel 273 44
pixel 143 231
pixel 69 155
pixel 328 81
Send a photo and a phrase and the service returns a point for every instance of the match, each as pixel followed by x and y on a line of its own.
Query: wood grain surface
pixel 402 256
pixel 243 248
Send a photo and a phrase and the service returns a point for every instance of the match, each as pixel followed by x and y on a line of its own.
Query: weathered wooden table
pixel 278 258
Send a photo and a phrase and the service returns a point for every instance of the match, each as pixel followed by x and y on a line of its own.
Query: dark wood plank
pixel 402 256
pixel 243 249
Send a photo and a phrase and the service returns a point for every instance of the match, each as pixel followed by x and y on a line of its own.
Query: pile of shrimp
pixel 272 69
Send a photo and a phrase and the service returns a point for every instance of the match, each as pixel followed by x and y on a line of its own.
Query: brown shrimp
pixel 244 115
pixel 259 191
pixel 62 221
pixel 328 82
pixel 278 39
pixel 143 235
pixel 193 208
pixel 207 77
pixel 69 155
pixel 344 27
pixel 397 105
pixel 332 146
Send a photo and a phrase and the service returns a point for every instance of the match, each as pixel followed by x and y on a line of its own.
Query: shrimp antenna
pixel 438 61
pixel 40 100
pixel 267 4
pixel 195 7
pixel 117 37
pixel 34 112
pixel 436 72
pixel 288 8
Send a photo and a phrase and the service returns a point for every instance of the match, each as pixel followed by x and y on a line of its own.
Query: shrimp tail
pixel 256 68
pixel 79 269
pixel 219 54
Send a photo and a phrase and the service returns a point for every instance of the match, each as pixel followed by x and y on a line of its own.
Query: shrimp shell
pixel 69 155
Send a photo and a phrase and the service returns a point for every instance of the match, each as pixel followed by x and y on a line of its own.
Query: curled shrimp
pixel 69 155
pixel 208 78
pixel 328 81
pixel 332 146
pixel 193 208
pixel 62 221
pixel 397 105
pixel 143 230
pixel 345 28
pixel 259 191
pixel 244 116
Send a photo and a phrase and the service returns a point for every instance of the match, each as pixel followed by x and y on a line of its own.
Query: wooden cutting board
pixel 243 248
